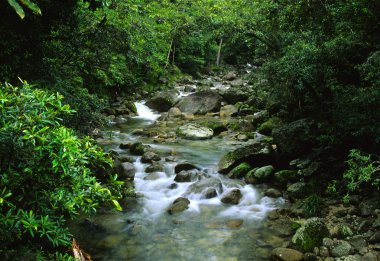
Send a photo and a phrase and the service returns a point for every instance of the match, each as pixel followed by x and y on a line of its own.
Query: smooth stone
pixel 232 197
pixel 179 205
pixel 286 254
pixel 234 223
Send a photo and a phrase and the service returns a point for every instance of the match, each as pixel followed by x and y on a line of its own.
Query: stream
pixel 207 230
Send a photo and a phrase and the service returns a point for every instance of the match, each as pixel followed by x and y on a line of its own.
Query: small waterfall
pixel 144 113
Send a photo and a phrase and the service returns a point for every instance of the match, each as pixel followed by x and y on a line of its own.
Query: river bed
pixel 207 230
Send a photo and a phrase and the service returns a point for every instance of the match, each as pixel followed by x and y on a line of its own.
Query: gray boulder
pixel 256 154
pixel 184 166
pixel 200 102
pixel 163 101
pixel 125 170
pixel 193 131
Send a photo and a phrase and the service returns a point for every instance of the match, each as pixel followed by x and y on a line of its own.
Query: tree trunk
pixel 219 52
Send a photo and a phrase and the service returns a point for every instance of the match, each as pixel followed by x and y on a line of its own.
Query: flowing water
pixel 207 230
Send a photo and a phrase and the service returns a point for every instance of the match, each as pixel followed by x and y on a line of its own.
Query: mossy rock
pixel 239 171
pixel 137 148
pixel 267 126
pixel 216 125
pixel 264 173
pixel 311 234
pixel 256 154
pixel 282 177
pixel 130 105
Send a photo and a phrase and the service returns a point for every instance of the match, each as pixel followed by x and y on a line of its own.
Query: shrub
pixel 46 172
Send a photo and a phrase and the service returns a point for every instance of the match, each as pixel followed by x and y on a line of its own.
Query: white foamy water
pixel 145 113
pixel 159 195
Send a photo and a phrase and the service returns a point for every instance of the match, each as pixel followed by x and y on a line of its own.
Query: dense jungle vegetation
pixel 315 63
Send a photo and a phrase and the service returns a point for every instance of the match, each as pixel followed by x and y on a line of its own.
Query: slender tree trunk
pixel 173 54
pixel 168 56
pixel 219 52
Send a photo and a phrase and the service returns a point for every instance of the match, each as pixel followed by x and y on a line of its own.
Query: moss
pixel 267 126
pixel 216 125
pixel 239 171
pixel 310 234
pixel 137 148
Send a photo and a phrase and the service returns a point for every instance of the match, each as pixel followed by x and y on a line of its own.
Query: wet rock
pixel 163 101
pixel 371 256
pixel 297 190
pixel 138 132
pixel 125 158
pixel 341 248
pixel 264 173
pixel 149 157
pixel 234 223
pixel 324 251
pixel 153 176
pixel 256 154
pixel 202 185
pixel 173 186
pixel 126 170
pixel 230 76
pixel 179 205
pixel 273 193
pixel 286 254
pixel 282 177
pixel 237 83
pixel 234 95
pixel 184 166
pixel 154 167
pixel 357 242
pixel 137 148
pixel 189 88
pixel 310 257
pixel 344 231
pixel 187 116
pixel 125 146
pixel 200 102
pixel 227 111
pixel 375 238
pixel 209 193
pixel 349 258
pixel 186 176
pixel 310 234
pixel 174 112
pixel 232 197
pixel 284 227
pixel 239 171
pixel 192 131
pixel 216 125
pixel 368 206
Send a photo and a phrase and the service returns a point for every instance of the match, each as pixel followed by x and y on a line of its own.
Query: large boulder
pixel 236 94
pixel 294 139
pixel 200 102
pixel 125 170
pixel 193 131
pixel 163 101
pixel 310 234
pixel 186 176
pixel 257 154
pixel 239 171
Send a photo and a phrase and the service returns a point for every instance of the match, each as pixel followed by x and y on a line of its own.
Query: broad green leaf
pixel 17 7
pixel 32 6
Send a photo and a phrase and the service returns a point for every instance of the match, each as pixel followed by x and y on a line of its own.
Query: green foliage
pixel 362 171
pixel 17 6
pixel 47 173
pixel 312 205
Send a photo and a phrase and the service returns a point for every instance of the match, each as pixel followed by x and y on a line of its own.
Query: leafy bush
pixel 46 172
pixel 362 171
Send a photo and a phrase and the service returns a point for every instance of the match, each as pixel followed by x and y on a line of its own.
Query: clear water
pixel 207 230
